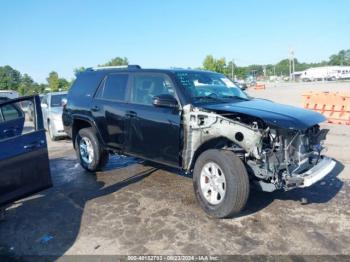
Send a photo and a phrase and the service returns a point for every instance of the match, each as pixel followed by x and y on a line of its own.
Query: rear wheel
pixel 220 183
pixel 90 153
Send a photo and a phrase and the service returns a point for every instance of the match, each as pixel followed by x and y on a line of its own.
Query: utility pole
pixel 290 69
pixel 232 69
pixel 293 65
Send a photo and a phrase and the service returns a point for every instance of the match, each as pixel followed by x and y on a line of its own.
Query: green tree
pixel 117 61
pixel 216 65
pixel 255 70
pixel 241 72
pixel 53 82
pixel 228 69
pixel 282 67
pixel 63 84
pixel 10 78
pixel 39 88
pixel 78 70
pixel 209 63
pixel 26 86
pixel 342 58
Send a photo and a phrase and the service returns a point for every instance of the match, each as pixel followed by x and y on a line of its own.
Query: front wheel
pixel 220 183
pixel 90 153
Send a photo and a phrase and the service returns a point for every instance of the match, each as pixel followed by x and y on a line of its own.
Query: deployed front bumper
pixel 313 175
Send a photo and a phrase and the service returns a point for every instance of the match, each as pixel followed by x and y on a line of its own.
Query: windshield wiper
pixel 237 97
pixel 207 97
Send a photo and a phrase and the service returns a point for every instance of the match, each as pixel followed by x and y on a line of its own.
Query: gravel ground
pixel 135 208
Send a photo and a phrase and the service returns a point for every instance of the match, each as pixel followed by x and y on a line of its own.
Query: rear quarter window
pixel 114 87
pixel 84 87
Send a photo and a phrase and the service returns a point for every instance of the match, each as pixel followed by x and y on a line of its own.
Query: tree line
pixel 12 79
pixel 280 69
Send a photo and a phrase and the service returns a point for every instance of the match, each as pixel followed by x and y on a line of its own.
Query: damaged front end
pixel 291 158
pixel 276 158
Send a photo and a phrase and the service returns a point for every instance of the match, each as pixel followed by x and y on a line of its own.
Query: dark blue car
pixel 24 163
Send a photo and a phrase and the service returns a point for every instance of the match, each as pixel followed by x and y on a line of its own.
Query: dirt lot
pixel 133 208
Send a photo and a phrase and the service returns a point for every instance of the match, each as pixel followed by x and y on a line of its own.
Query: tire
pixel 99 155
pixel 51 133
pixel 234 189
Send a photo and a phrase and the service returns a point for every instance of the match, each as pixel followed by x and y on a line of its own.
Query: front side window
pixel 209 87
pixel 114 87
pixel 147 86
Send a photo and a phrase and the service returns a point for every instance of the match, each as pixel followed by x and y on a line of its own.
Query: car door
pixel 24 163
pixel 109 107
pixel 153 132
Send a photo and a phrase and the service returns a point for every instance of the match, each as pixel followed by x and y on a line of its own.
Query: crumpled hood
pixel 272 113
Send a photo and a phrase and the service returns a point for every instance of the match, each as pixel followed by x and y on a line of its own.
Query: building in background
pixel 329 73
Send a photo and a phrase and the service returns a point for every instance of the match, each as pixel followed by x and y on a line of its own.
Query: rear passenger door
pixel 153 132
pixel 24 163
pixel 109 108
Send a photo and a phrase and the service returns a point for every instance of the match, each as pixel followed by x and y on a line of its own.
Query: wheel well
pixel 215 143
pixel 77 125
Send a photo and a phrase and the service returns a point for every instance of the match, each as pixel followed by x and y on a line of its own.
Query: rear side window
pixel 114 87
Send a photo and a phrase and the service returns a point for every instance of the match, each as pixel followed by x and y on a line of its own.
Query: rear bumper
pixel 313 175
pixel 58 129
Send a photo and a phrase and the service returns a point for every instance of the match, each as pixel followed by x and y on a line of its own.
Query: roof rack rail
pixel 115 67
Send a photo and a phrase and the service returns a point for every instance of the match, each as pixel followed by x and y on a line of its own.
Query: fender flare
pixel 91 122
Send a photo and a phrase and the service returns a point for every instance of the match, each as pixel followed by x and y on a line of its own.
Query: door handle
pixel 95 108
pixel 34 145
pixel 131 114
pixel 13 130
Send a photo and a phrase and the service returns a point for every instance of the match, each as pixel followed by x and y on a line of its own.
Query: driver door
pixel 24 163
pixel 152 132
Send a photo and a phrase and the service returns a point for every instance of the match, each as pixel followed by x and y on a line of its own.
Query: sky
pixel 38 36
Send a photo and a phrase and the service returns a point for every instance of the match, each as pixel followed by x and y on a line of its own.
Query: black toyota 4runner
pixel 199 122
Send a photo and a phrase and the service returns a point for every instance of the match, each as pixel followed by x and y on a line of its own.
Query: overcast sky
pixel 38 36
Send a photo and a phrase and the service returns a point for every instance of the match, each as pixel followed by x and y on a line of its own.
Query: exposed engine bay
pixel 275 158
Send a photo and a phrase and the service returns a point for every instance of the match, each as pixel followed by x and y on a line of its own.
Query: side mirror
pixel 165 100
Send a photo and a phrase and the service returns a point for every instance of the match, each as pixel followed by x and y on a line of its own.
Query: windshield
pixel 56 100
pixel 209 87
